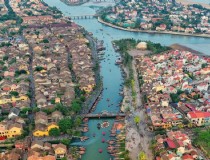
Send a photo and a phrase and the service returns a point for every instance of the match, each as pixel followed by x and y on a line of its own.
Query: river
pixel 112 77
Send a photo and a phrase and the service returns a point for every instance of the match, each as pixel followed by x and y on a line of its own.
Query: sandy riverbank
pixel 190 2
pixel 152 32
pixel 184 48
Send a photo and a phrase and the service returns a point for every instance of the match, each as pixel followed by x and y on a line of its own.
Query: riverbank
pixel 184 48
pixel 152 32
pixel 73 4
pixel 190 2
pixel 94 96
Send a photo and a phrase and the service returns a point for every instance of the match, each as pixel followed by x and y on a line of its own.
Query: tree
pixel 180 126
pixel 66 141
pixel 65 124
pixel 137 119
pixel 45 41
pixel 77 122
pixel 38 68
pixel 14 93
pixel 204 65
pixel 142 156
pixel 54 132
pixel 76 106
pixel 174 98
pixel 5 58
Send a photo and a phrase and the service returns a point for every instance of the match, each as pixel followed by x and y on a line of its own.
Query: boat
pixel 85 129
pixel 81 152
pixel 84 138
pixel 99 126
pixel 105 124
pixel 82 148
pixel 113 135
pixel 111 142
pixel 101 53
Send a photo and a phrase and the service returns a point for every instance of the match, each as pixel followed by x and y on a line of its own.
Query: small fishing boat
pixel 84 138
pixel 81 152
pixel 111 142
pixel 99 126
pixel 113 135
pixel 82 148
pixel 100 150
pixel 85 129
pixel 105 124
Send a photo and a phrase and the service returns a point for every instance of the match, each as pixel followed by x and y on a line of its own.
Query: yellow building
pixel 43 130
pixel 10 130
pixel 57 100
pixel 159 88
pixel 14 99
pixel 88 88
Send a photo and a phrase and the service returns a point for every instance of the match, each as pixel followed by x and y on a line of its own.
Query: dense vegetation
pixel 202 140
pixel 128 44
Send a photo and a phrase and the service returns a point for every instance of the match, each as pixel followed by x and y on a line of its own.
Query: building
pixel 60 150
pixel 10 130
pixel 43 130
pixel 199 118
pixel 142 46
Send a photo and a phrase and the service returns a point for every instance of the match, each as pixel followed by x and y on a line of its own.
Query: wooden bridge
pixel 88 16
pixel 103 115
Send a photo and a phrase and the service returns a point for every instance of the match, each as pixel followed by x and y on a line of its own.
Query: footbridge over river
pixel 86 16
pixel 103 115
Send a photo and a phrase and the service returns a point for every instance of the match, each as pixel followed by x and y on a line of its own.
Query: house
pixel 199 118
pixel 37 145
pixel 14 112
pixel 23 144
pixel 43 130
pixel 60 150
pixel 41 118
pixel 56 116
pixel 37 157
pixel 203 86
pixel 13 156
pixel 10 129
pixel 14 129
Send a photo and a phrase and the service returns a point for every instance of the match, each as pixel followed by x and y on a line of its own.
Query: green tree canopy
pixel 65 124
pixel 54 132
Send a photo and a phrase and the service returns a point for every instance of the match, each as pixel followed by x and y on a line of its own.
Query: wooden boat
pixel 113 135
pixel 111 142
pixel 84 138
pixel 81 152
pixel 85 129
pixel 82 148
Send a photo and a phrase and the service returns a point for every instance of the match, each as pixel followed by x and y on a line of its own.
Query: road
pixel 145 136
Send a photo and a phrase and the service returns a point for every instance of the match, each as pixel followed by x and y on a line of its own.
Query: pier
pixel 103 115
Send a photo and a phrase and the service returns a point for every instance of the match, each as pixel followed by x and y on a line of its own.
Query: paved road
pixel 146 136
